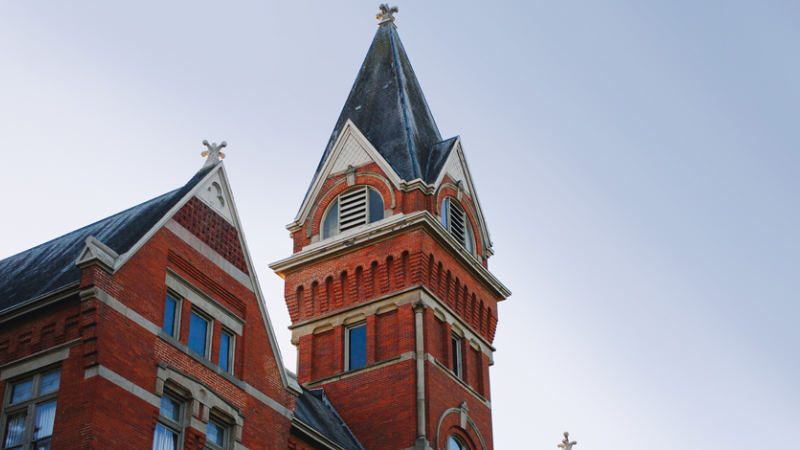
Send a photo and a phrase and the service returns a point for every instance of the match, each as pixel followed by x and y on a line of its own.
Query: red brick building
pixel 148 329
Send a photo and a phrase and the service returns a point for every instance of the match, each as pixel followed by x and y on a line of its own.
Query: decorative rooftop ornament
pixel 386 14
pixel 566 444
pixel 213 153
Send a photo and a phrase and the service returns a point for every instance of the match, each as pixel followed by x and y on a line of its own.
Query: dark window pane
pixel 50 382
pixel 22 391
pixel 45 418
pixel 44 444
pixel 358 347
pixel 375 206
pixel 15 430
pixel 215 434
pixel 170 409
pixel 331 222
pixel 169 316
pixel 456 356
pixel 224 351
pixel 198 328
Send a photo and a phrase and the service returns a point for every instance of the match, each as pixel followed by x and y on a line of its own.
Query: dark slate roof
pixel 51 266
pixel 439 154
pixel 313 409
pixel 386 103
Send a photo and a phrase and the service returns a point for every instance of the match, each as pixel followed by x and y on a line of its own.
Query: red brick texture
pixel 95 413
pixel 213 230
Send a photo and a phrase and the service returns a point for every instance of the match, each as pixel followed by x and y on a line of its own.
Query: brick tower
pixel 393 307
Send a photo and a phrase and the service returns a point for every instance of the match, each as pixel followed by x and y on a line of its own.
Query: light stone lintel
pixel 203 248
pixel 37 360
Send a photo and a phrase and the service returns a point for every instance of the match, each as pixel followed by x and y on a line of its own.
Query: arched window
pixel 352 209
pixel 454 443
pixel 457 224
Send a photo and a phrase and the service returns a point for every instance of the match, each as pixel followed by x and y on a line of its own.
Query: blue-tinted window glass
pixel 215 434
pixel 198 328
pixel 169 316
pixel 50 382
pixel 453 444
pixel 22 391
pixel 45 418
pixel 224 351
pixel 170 409
pixel 358 347
pixel 331 226
pixel 375 206
pixel 443 212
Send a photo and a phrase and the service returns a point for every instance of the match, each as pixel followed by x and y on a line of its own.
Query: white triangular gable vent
pixel 455 170
pixel 213 194
pixel 352 154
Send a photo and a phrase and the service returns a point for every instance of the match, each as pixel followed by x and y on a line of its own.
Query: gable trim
pixel 350 129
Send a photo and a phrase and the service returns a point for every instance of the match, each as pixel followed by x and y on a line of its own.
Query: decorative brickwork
pixel 213 230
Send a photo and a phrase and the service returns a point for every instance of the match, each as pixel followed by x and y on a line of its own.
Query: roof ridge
pixel 401 84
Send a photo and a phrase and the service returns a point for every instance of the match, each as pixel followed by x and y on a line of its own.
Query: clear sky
pixel 637 163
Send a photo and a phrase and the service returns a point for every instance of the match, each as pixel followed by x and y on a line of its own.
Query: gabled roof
pixel 50 267
pixel 313 409
pixel 438 157
pixel 387 105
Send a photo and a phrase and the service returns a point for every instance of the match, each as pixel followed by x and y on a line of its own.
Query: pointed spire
pixel 386 103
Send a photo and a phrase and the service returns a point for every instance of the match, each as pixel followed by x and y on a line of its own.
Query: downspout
pixel 422 442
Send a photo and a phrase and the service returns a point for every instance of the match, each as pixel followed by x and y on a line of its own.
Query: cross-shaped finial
pixel 213 153
pixel 386 14
pixel 566 444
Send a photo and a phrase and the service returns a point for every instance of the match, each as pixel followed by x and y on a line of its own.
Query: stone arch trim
pixel 475 222
pixel 200 395
pixel 463 413
pixel 336 186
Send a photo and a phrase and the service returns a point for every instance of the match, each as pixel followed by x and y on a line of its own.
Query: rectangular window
pixel 457 356
pixel 356 350
pixel 198 334
pixel 169 428
pixel 216 436
pixel 31 411
pixel 170 313
pixel 226 340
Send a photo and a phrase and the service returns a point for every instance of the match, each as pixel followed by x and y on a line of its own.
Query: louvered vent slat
pixel 457 228
pixel 353 209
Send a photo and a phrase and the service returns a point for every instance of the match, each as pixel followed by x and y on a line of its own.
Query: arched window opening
pixel 352 209
pixel 453 443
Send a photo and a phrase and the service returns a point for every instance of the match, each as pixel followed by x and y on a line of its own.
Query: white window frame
pixel 337 201
pixel 347 330
pixel 29 405
pixel 209 330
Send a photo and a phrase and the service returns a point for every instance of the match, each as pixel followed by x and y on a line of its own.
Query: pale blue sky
pixel 637 163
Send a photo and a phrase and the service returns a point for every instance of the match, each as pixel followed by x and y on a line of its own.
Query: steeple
pixel 387 105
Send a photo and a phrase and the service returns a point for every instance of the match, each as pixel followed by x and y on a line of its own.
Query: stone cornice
pixel 401 223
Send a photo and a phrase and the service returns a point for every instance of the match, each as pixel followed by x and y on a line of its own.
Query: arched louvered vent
pixel 353 209
pixel 457 224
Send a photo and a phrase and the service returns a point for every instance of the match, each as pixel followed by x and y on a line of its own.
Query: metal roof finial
pixel 386 14
pixel 566 444
pixel 213 153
